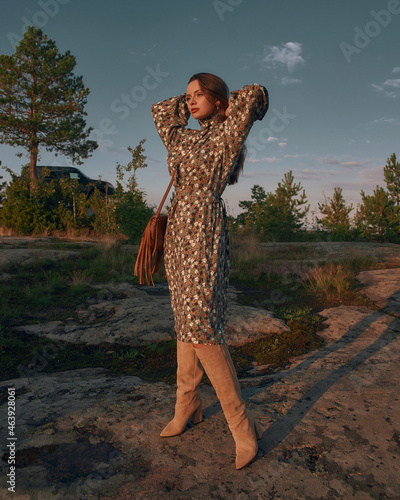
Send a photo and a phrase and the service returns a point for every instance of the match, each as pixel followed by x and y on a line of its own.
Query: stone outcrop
pixel 145 316
pixel 382 286
pixel 25 257
pixel 330 428
pixel 330 420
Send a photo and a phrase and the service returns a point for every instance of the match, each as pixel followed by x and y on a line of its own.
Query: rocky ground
pixel 144 316
pixel 331 424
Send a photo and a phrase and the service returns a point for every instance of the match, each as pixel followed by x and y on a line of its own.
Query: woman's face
pixel 199 105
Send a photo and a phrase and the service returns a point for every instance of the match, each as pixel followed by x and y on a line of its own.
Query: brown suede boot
pixel 188 403
pixel 218 365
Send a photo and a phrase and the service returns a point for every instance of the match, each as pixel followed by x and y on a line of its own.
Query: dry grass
pixel 251 260
pixel 328 279
pixel 68 234
pixel 247 250
pixel 80 277
pixel 6 232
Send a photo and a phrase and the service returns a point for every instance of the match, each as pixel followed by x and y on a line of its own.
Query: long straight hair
pixel 215 89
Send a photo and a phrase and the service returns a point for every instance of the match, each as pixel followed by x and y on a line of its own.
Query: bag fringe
pixel 151 250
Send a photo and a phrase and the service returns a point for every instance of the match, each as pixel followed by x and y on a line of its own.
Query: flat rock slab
pixel 25 257
pixel 331 428
pixel 383 288
pixel 145 317
pixel 321 251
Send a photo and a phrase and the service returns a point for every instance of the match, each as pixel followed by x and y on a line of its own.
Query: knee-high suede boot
pixel 218 365
pixel 188 403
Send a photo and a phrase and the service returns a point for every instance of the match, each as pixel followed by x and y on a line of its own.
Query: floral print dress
pixel 196 252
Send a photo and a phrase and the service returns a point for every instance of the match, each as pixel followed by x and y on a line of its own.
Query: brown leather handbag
pixel 151 250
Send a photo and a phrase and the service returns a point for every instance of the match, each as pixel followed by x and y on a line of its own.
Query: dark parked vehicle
pixel 58 173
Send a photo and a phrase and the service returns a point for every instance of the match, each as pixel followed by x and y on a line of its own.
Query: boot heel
pixel 197 416
pixel 258 430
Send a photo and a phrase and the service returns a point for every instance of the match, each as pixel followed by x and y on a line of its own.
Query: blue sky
pixel 332 69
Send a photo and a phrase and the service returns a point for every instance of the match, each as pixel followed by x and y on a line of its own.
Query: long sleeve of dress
pixel 171 117
pixel 247 105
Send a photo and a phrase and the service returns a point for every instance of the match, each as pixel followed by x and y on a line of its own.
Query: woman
pixel 196 243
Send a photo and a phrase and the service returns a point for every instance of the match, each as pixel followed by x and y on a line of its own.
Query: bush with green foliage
pixel 132 214
pixel 131 211
pixel 29 211
pixel 63 206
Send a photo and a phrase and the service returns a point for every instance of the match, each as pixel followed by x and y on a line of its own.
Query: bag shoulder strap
pixel 170 185
pixel 165 195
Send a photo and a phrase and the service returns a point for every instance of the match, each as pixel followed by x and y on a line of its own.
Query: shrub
pixel 29 210
pixel 132 214
pixel 327 279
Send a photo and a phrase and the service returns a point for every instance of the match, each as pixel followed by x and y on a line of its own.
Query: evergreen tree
pixel 42 102
pixel 278 214
pixel 254 217
pixel 391 173
pixel 335 213
pixel 378 216
pixel 3 186
pixel 287 204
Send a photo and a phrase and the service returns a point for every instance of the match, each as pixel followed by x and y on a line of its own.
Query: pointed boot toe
pixel 243 459
pixel 179 422
pixel 218 365
pixel 188 403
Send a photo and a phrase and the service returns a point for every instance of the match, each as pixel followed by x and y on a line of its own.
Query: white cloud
pixel 392 83
pixel 288 54
pixel 289 81
pixel 385 119
pixel 258 160
pixel 144 52
pixel 108 146
pixel 346 164
pixel 313 173
pixel 282 144
pixel 379 88
pixel 263 173
pixel 389 87
pixel 272 139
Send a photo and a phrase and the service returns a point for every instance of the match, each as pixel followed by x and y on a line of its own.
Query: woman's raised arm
pixel 171 117
pixel 245 107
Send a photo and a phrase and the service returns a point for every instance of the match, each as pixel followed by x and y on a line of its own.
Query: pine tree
pixel 3 186
pixel 335 215
pixel 287 203
pixel 279 214
pixel 377 216
pixel 42 102
pixel 391 173
pixel 254 217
